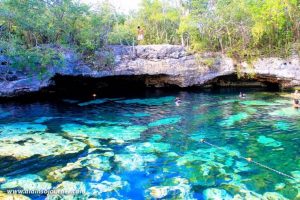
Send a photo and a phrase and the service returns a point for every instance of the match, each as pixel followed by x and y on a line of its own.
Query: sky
pixel 121 5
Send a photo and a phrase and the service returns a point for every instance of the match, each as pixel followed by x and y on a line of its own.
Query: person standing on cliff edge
pixel 140 36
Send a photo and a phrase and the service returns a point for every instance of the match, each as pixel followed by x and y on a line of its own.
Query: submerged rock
pixel 68 190
pixel 283 126
pixel 16 129
pixel 111 185
pixel 172 154
pixel 204 167
pixel 279 186
pixel 43 119
pixel 296 182
pixel 251 110
pixel 241 166
pixel 5 196
pixel 72 186
pixel 296 174
pixel 216 194
pixel 117 141
pixel 245 194
pixel 61 173
pixel 149 147
pixel 285 101
pixel 103 122
pixel 139 114
pixel 96 175
pixel 155 138
pixel 259 103
pixel 28 182
pixel 177 188
pixel 286 112
pixel 209 156
pixel 95 163
pixel 150 101
pixel 159 192
pixel 108 154
pixel 269 142
pixel 198 136
pixel 104 132
pixel 132 162
pixel 234 119
pixel 165 121
pixel 229 101
pixel 2 180
pixel 273 196
pixel 43 144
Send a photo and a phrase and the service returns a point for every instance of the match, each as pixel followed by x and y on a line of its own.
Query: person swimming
pixel 242 95
pixel 177 101
pixel 296 102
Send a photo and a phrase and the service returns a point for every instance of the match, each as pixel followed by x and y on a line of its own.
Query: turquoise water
pixel 147 147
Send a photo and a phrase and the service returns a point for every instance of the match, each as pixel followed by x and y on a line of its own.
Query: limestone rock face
pixel 286 71
pixel 171 64
pixel 181 67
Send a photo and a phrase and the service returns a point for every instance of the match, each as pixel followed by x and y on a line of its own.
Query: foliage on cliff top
pixel 27 25
pixel 241 28
pixel 256 27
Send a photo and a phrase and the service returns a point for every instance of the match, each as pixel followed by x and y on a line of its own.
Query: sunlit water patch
pixel 150 148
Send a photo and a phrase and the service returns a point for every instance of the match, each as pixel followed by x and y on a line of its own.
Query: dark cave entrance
pixel 233 81
pixel 80 86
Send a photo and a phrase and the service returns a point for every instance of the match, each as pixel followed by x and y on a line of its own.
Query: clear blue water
pixel 148 147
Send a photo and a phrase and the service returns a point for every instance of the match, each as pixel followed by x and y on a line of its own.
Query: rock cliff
pixel 173 64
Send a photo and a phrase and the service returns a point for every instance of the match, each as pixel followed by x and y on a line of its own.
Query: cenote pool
pixel 146 147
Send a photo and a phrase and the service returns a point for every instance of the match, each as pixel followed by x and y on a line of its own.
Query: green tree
pixel 160 20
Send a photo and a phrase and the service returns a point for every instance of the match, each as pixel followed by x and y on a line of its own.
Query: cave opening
pixel 233 81
pixel 81 87
pixel 112 86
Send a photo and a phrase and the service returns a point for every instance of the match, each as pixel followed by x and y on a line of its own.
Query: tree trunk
pixel 221 45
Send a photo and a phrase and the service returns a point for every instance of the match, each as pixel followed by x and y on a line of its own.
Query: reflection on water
pixel 137 148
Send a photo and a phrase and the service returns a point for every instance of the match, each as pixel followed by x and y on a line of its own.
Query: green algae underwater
pixel 147 147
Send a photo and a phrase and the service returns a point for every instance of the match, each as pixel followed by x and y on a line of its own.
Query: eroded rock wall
pixel 173 64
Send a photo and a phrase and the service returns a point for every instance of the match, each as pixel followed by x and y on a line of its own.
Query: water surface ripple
pixel 149 147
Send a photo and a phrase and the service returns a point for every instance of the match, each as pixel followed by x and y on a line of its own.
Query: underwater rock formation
pixel 213 193
pixel 158 66
pixel 5 196
pixel 149 102
pixel 28 182
pixel 178 188
pixel 269 142
pixel 95 163
pixel 165 121
pixel 132 162
pixel 109 132
pixel 41 144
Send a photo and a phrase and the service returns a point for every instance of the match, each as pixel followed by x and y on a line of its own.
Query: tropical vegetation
pixel 239 28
